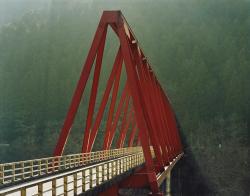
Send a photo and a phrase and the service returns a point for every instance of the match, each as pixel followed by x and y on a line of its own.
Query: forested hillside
pixel 200 51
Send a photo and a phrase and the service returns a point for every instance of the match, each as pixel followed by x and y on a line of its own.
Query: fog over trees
pixel 199 50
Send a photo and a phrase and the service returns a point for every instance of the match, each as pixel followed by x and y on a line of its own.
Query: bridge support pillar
pixel 165 186
pixel 168 185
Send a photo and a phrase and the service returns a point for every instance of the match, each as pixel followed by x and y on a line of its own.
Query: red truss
pixel 143 105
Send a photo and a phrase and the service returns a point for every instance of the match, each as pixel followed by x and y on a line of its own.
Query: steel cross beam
pixel 143 107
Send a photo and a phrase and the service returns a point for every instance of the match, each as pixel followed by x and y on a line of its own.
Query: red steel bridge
pixel 148 143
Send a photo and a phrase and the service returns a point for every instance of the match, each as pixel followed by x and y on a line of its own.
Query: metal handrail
pixel 17 171
pixel 78 180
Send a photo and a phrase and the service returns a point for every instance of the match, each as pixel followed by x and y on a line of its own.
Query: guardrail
pixel 76 181
pixel 17 171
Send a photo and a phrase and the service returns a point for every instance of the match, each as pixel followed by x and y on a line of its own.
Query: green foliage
pixel 222 147
pixel 198 49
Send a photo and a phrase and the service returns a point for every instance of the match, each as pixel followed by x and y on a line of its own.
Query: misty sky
pixel 11 10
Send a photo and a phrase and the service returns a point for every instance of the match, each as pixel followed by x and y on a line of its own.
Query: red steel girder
pixel 109 134
pixel 150 113
pixel 79 89
pixel 93 95
pixel 116 69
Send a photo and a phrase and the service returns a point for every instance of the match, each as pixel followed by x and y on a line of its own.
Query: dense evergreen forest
pixel 200 51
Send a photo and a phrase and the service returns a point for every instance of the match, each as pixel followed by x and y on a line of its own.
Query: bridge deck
pixel 82 180
pixel 22 170
pixel 78 180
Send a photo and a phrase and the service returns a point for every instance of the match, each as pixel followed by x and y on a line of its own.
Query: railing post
pixel 108 172
pixel 31 169
pixel 1 174
pixel 22 170
pixel 90 178
pixel 47 165
pixel 54 187
pixel 75 183
pixel 13 171
pixel 40 189
pixel 97 175
pixel 77 160
pixel 125 164
pixel 65 162
pixel 118 166
pixel 73 161
pixel 83 181
pixel 70 161
pixel 87 158
pixel 121 165
pixel 82 159
pixel 52 165
pixel 114 168
pixel 129 162
pixel 104 177
pixel 59 163
pixel 65 185
pixel 39 167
